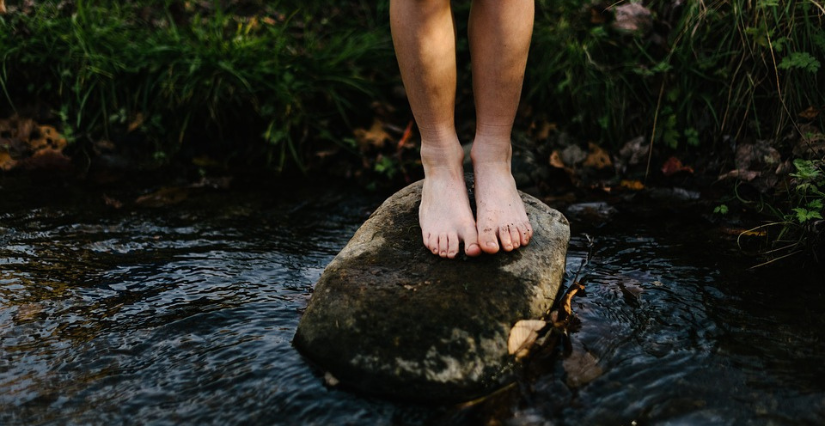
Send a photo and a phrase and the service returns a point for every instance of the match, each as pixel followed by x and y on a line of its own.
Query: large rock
pixel 389 317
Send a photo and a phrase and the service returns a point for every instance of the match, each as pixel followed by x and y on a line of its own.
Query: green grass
pixel 265 84
pixel 276 81
pixel 704 71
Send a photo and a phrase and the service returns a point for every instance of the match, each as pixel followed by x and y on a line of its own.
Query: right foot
pixel 444 214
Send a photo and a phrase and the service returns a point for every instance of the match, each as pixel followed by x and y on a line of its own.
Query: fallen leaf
pixel 545 129
pixel 111 202
pixel 376 136
pixel 632 17
pixel 581 367
pixel 6 162
pixel 756 156
pixel 810 113
pixel 634 151
pixel 633 185
pixel 555 160
pixel 47 137
pixel 136 122
pixel 330 380
pixel 597 158
pixel 163 197
pixel 597 15
pixel 674 165
pixel 746 175
pixel 745 232
pixel 522 336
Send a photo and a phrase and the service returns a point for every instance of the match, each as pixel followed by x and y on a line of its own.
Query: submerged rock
pixel 388 317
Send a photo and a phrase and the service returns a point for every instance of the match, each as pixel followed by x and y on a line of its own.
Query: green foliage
pixel 805 205
pixel 191 75
pixel 800 60
pixel 722 68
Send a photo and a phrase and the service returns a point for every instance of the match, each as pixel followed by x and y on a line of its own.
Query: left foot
pixel 502 221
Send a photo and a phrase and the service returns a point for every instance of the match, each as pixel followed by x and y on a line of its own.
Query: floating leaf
pixel 581 368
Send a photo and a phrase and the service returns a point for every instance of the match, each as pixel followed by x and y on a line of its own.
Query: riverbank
pixel 724 100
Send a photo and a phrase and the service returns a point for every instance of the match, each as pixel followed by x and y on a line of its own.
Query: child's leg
pixel 424 37
pixel 500 33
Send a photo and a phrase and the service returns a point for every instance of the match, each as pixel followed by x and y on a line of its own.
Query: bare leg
pixel 500 33
pixel 423 33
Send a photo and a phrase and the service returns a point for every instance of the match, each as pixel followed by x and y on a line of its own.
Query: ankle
pixel 442 156
pixel 487 152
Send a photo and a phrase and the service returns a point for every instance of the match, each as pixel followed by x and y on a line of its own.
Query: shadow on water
pixel 184 314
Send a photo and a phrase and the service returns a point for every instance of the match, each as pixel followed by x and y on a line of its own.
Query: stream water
pixel 183 314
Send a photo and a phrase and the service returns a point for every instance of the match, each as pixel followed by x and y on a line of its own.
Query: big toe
pixel 488 241
pixel 470 237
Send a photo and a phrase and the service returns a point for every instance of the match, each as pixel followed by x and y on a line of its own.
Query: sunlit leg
pixel 424 37
pixel 500 33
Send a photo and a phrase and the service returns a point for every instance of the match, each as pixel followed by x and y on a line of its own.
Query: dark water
pixel 183 314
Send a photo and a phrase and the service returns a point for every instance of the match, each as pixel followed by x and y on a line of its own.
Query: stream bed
pixel 114 312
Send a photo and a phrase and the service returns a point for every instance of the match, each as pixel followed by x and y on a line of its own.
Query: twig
pixel 655 121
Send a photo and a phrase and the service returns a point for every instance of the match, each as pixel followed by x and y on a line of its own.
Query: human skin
pixel 423 34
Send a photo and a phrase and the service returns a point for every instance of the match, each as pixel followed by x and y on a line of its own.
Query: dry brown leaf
pixel 136 122
pixel 545 129
pixel 48 138
pixel 2 7
pixel 6 162
pixel 633 185
pixel 597 158
pixel 555 160
pixel 163 197
pixel 674 165
pixel 376 136
pixel 810 113
pixel 111 202
pixel 523 335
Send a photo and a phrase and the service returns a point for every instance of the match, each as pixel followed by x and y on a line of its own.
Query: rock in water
pixel 390 318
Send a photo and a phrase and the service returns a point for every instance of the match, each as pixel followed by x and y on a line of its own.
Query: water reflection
pixel 184 314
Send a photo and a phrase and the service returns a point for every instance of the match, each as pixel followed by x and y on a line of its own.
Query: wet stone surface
pixel 390 318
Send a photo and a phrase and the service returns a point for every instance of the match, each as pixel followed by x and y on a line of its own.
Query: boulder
pixel 390 318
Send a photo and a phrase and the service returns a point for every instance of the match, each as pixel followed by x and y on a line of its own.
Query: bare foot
pixel 502 221
pixel 444 214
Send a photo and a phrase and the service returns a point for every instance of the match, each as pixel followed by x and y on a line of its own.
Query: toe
pixel 432 243
pixel 443 245
pixel 514 236
pixel 525 233
pixel 452 245
pixel 504 236
pixel 470 238
pixel 487 240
